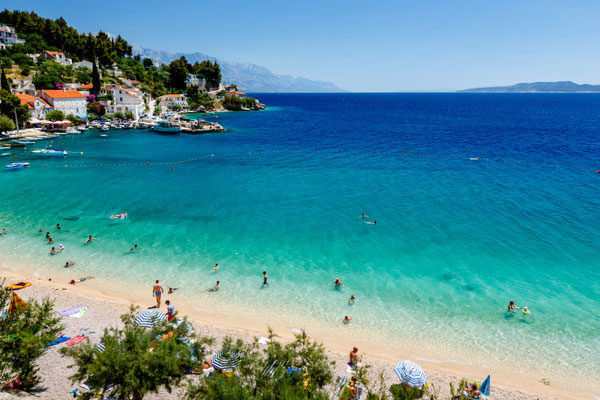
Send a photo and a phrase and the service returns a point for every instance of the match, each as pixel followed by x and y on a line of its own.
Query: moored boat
pixel 18 165
pixel 167 127
pixel 50 152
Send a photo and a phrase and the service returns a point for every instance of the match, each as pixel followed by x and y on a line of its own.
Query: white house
pixel 127 99
pixel 37 107
pixel 67 101
pixel 8 37
pixel 130 82
pixel 57 56
pixel 84 63
pixel 170 100
pixel 193 80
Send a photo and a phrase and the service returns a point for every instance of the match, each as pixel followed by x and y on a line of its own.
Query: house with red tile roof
pixel 127 99
pixel 170 100
pixel 67 101
pixel 38 107
pixel 57 56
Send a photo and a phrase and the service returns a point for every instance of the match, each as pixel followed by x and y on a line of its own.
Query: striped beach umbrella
pixel 149 318
pixel 16 304
pixel 100 347
pixel 410 373
pixel 226 360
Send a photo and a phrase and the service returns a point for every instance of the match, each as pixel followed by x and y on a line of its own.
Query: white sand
pixel 104 311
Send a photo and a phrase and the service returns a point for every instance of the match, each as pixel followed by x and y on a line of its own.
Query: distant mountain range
pixel 538 87
pixel 247 77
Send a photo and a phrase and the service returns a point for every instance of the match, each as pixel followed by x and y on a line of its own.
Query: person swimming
pixel 89 239
pixel 512 306
pixel 216 267
pixel 347 319
pixel 352 300
pixel 214 288
pixel 133 248
pixel 61 247
pixel 53 251
pixel 50 240
pixel 69 264
pixel 363 215
pixel 526 310
pixel 337 282
pixel 57 226
pixel 47 235
pixel 370 223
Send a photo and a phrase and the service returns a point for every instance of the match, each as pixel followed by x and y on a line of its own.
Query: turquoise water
pixel 283 191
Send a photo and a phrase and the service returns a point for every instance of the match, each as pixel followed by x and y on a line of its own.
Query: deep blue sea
pixel 479 199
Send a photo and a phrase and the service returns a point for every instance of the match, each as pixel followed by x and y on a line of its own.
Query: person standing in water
pixel 216 267
pixel 512 307
pixel 53 251
pixel 265 283
pixel 157 291
pixel 337 282
pixel 89 239
pixel 57 226
pixel 352 300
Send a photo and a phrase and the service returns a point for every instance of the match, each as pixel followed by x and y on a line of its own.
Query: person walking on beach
pixel 157 291
pixel 265 283
pixel 170 310
pixel 337 282
pixel 353 357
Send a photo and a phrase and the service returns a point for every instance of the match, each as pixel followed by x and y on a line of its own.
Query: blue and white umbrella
pixel 226 361
pixel 149 318
pixel 100 347
pixel 410 373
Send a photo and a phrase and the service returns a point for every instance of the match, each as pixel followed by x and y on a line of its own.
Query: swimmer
pixel 512 307
pixel 347 319
pixel 61 247
pixel 40 231
pixel 337 282
pixel 89 239
pixel 370 223
pixel 69 264
pixel 265 283
pixel 172 289
pixel 216 267
pixel 57 226
pixel 50 240
pixel 53 251
pixel 214 288
pixel 526 310
pixel 133 248
pixel 47 235
pixel 352 300
pixel 363 215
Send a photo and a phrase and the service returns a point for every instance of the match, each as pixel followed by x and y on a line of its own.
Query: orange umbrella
pixel 16 304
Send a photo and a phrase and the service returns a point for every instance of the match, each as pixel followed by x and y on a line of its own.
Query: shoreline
pixel 504 383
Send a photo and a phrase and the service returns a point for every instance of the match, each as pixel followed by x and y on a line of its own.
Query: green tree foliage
pixel 148 63
pixel 252 382
pixel 11 104
pixel 96 87
pixel 23 339
pixel 137 362
pixel 55 115
pixel 74 120
pixel 52 73
pixel 236 103
pixel 196 99
pixel 210 71
pixel 129 114
pixel 6 124
pixel 83 75
pixel 4 85
pixel 178 71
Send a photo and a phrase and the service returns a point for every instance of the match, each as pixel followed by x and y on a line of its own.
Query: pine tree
pixel 4 85
pixel 95 79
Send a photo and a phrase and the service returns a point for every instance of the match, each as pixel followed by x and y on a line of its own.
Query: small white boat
pixel 17 165
pixel 82 128
pixel 4 154
pixel 103 135
pixel 104 128
pixel 50 152
pixel 24 141
pixel 167 127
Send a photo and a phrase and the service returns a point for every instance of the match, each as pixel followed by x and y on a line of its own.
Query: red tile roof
pixel 64 94
pixel 88 86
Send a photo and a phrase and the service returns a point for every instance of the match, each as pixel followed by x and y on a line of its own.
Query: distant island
pixel 538 87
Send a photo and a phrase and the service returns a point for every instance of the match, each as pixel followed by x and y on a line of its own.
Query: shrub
pixel 55 115
pixel 6 124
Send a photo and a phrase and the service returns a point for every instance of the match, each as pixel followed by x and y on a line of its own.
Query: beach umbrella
pixel 16 304
pixel 410 373
pixel 485 387
pixel 149 318
pixel 226 360
pixel 100 347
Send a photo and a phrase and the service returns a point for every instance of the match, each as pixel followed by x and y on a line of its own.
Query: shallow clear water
pixel 283 191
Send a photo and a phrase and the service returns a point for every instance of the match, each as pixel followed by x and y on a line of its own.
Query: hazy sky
pixel 376 45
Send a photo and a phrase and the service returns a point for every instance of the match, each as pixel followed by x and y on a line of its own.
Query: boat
pixel 4 154
pixel 103 135
pixel 166 127
pixel 50 152
pixel 23 141
pixel 13 144
pixel 17 165
pixel 48 137
pixel 104 128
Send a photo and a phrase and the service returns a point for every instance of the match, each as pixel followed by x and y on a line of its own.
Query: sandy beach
pixel 105 307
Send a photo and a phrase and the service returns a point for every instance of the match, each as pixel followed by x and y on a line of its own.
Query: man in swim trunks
pixel 170 310
pixel 337 282
pixel 265 283
pixel 89 239
pixel 157 291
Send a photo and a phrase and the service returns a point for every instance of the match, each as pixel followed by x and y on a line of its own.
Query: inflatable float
pixel 119 216
pixel 18 285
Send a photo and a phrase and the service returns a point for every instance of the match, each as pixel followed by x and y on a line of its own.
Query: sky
pixel 365 46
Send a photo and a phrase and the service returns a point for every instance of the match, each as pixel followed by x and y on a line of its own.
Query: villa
pixel 170 100
pixel 127 99
pixel 57 56
pixel 84 63
pixel 38 108
pixel 130 82
pixel 67 101
pixel 193 80
pixel 8 37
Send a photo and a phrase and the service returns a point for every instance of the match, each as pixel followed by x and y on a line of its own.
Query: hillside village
pixel 47 77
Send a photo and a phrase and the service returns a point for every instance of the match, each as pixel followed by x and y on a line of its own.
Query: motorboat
pixel 103 135
pixel 167 127
pixel 82 128
pixel 4 154
pixel 23 141
pixel 104 128
pixel 48 137
pixel 17 165
pixel 50 152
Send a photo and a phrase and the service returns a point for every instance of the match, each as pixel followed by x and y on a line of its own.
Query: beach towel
pixel 59 340
pixel 77 339
pixel 70 311
pixel 80 313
